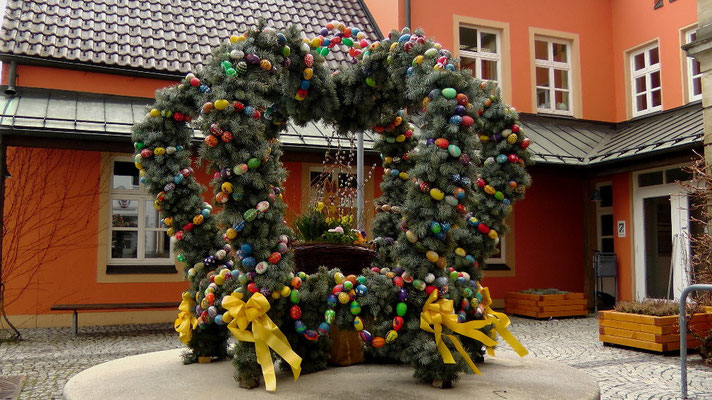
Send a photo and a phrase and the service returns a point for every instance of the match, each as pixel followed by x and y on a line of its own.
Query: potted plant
pixel 545 303
pixel 330 241
pixel 652 325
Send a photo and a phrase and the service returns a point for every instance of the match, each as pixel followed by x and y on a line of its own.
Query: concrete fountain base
pixel 162 375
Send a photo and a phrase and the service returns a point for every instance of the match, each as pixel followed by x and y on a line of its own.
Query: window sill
pixel 119 269
pixel 552 113
pixel 496 267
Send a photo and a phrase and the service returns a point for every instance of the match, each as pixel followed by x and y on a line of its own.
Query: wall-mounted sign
pixel 621 228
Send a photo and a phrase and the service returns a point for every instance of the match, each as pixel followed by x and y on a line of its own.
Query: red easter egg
pixel 145 153
pixel 483 228
pixel 178 117
pixel 525 143
pixel 397 323
pixel 515 128
pixel 179 235
pixel 424 187
pixel 252 287
pixel 239 107
pixel 429 289
pixel 481 182
pixel 227 137
pixel 442 143
pixel 211 141
pixel 195 82
pixel 188 227
pixel 274 258
pixel 512 158
pixel 467 121
pixel 378 341
pixel 408 133
pixel 462 99
pixel 337 289
pixel 295 312
pixel 398 281
pixel 210 297
pixel 296 282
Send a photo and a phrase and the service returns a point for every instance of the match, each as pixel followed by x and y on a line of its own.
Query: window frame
pixel 646 72
pixel 551 66
pixel 479 55
pixel 687 38
pixel 600 212
pixel 141 196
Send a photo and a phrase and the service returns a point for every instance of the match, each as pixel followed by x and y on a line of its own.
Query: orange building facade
pixel 568 67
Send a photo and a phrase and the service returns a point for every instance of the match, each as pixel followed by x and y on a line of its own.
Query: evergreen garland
pixel 442 228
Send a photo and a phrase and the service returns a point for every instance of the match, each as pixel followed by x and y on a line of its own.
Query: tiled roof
pixel 170 36
pixel 42 113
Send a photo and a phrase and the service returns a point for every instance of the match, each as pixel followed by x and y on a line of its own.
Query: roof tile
pixel 133 33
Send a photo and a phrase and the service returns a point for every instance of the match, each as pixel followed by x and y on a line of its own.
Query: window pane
pixel 561 79
pixel 542 76
pixel 607 245
pixel 639 61
pixel 695 67
pixel 124 213
pixel 677 174
pixel 542 98
pixel 607 225
pixel 124 244
pixel 656 98
pixel 468 39
pixel 640 85
pixel 692 37
pixel 655 80
pixel 489 70
pixel 654 57
pixel 468 63
pixel 560 52
pixel 317 178
pixel 153 217
pixel 125 176
pixel 562 100
pixel 697 86
pixel 158 244
pixel 488 42
pixel 606 195
pixel 650 179
pixel 541 50
pixel 641 102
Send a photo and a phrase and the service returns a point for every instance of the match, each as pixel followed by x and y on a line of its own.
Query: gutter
pixel 88 67
pixel 11 90
pixel 407 13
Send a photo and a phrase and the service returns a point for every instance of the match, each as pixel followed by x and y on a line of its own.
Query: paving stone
pixel 49 357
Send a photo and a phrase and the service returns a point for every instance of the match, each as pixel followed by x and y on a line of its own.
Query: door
pixel 662 246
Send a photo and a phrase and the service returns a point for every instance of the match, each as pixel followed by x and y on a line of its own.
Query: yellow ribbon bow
pixel 500 322
pixel 186 321
pixel 265 334
pixel 435 314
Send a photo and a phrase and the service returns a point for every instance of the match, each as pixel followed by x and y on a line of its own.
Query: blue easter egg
pixel 456 120
pixel 178 179
pixel 469 258
pixel 235 273
pixel 204 89
pixel 326 42
pixel 501 159
pixel 402 294
pixel 323 328
pixel 404 38
pixel 305 84
pixel 506 201
pixel 441 281
pixel 281 39
pixel 311 334
pixel 450 67
pixel 445 226
pixel 249 263
pixel 299 326
pixel 249 111
pixel 395 172
pixel 246 248
pixel 205 213
pixel 355 31
pixel 440 236
pixel 409 71
pixel 366 336
pixel 179 148
pixel 143 180
pixel 238 227
pixel 219 320
pixel 331 300
pixel 361 290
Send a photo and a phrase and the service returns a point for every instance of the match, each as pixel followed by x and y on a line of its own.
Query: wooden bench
pixel 75 308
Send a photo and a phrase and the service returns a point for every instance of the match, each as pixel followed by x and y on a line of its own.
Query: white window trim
pixel 647 71
pixel 141 196
pixel 502 259
pixel 479 55
pixel 690 78
pixel 551 66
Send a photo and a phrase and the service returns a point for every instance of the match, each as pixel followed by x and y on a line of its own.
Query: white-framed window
pixel 646 88
pixel 552 62
pixel 481 52
pixel 136 235
pixel 694 74
pixel 500 257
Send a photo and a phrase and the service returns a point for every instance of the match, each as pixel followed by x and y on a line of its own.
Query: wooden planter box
pixel 546 305
pixel 648 332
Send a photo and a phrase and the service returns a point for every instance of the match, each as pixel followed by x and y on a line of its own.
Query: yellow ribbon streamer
pixel 186 321
pixel 500 322
pixel 265 334
pixel 435 314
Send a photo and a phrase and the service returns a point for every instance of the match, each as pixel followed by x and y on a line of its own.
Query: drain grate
pixel 10 387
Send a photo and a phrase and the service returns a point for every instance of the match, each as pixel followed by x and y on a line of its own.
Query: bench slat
pixel 112 306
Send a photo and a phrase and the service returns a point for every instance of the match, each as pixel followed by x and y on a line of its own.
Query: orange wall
pixel 549 236
pixel 622 211
pixel 635 23
pixel 606 29
pixel 387 13
pixel 80 81
pixel 51 211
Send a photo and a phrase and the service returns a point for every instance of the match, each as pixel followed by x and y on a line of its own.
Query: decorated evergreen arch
pixel 446 193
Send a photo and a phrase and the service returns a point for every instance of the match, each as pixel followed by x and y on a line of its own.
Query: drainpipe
pixel 407 13
pixel 11 91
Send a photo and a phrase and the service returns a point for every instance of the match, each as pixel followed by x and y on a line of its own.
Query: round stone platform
pixel 162 375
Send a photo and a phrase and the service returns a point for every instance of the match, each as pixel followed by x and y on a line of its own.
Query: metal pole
pixel 407 13
pixel 359 183
pixel 683 334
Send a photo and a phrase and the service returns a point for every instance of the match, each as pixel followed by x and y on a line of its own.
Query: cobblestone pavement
pixel 49 357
